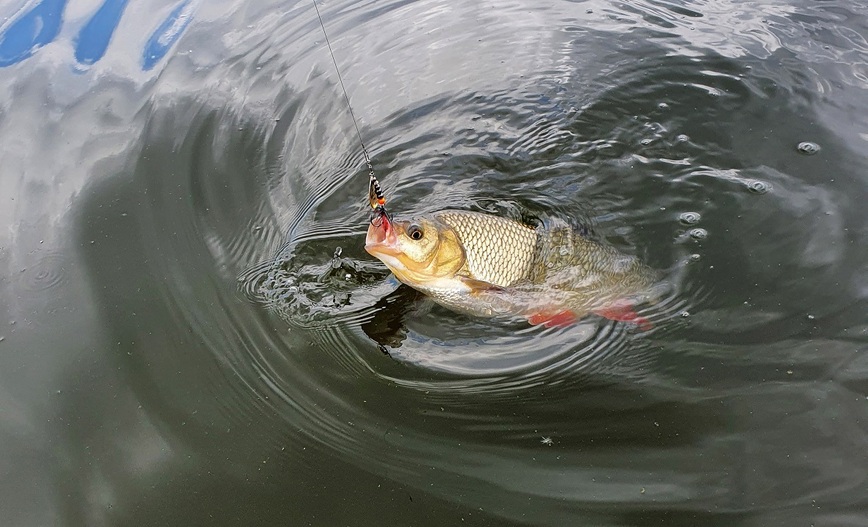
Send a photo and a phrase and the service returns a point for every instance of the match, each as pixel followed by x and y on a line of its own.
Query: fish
pixel 489 266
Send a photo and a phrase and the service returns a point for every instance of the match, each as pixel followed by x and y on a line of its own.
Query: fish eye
pixel 415 232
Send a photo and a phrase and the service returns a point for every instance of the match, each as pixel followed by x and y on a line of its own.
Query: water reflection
pixel 94 37
pixel 41 24
pixel 167 33
pixel 30 31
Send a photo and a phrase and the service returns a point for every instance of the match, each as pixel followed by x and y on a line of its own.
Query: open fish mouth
pixel 382 240
pixel 382 243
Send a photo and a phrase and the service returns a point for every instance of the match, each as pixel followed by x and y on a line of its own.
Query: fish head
pixel 418 251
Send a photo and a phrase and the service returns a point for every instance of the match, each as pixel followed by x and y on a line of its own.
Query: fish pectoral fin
pixel 479 285
pixel 623 312
pixel 553 319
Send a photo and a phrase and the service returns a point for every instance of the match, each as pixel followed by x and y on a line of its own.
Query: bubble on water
pixel 694 258
pixel 685 314
pixel 758 187
pixel 811 317
pixel 682 138
pixel 338 252
pixel 808 148
pixel 689 218
pixel 698 234
pixel 663 106
pixel 646 141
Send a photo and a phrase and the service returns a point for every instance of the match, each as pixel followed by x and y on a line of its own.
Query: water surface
pixel 193 334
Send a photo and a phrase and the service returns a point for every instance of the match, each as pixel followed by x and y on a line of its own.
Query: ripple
pixel 758 187
pixel 808 148
pixel 519 157
pixel 698 234
pixel 49 271
pixel 689 218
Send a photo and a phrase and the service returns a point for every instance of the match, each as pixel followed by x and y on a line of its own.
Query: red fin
pixel 624 313
pixel 553 320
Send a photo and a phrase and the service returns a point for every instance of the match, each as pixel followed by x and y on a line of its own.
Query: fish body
pixel 486 265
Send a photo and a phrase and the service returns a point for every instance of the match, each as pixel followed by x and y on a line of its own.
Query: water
pixel 182 342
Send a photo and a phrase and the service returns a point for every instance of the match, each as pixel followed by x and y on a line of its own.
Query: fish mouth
pixel 382 241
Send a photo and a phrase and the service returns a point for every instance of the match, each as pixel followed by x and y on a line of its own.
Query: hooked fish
pixel 486 265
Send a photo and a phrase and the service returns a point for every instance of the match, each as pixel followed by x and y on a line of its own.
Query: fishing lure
pixel 379 215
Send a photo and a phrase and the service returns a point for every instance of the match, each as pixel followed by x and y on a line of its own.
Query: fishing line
pixel 375 193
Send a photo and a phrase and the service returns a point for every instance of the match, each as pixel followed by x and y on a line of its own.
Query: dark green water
pixel 182 342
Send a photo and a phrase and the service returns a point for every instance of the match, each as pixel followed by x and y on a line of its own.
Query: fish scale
pixel 498 250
